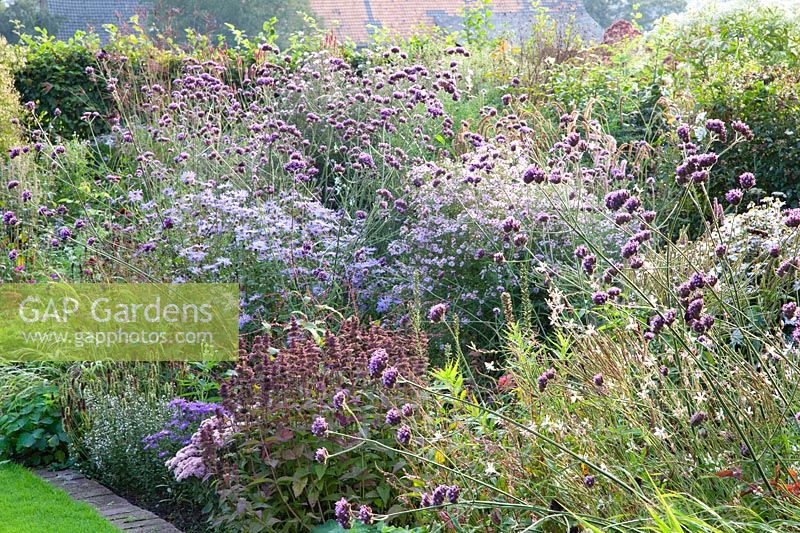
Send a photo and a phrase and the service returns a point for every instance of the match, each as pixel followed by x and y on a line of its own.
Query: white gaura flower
pixel 660 433
pixel 700 397
pixel 490 469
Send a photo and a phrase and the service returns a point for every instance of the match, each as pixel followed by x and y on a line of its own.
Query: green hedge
pixel 735 65
pixel 54 76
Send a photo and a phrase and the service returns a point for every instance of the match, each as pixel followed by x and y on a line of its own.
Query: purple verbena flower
pixel 393 416
pixel 339 399
pixel 616 199
pixel 599 298
pixel 319 427
pixel 717 126
pixel 684 133
pixel 734 196
pixel 404 435
pixel 541 381
pixel 534 174
pixel 365 514
pixel 743 129
pixel 453 493
pixel 437 312
pixel 791 217
pixel 321 455
pixel 747 180
pixel 342 512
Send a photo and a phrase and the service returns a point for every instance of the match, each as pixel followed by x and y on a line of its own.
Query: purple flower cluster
pixel 437 312
pixel 440 495
pixel 183 422
pixel 695 168
pixel 546 377
pixel 718 127
pixel 791 218
pixel 319 428
pixel 192 459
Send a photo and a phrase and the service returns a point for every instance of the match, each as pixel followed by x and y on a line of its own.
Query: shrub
pixel 273 469
pixel 754 80
pixel 737 63
pixel 56 76
pixel 30 417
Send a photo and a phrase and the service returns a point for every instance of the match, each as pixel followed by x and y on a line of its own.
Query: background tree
pixel 646 12
pixel 26 14
pixel 209 17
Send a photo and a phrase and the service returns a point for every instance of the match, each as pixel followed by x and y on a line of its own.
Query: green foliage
pixel 644 12
pixel 299 488
pixel 743 65
pixel 55 76
pixel 21 15
pixel 734 65
pixel 622 87
pixel 478 24
pixel 30 425
pixel 216 17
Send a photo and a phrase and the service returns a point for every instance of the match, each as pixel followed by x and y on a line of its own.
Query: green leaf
pixel 26 440
pixel 298 485
pixel 385 493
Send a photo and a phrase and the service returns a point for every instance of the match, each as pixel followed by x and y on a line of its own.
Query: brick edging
pixel 117 510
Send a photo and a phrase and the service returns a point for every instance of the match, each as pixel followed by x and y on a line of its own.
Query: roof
pixel 350 19
pixel 74 15
pixel 355 19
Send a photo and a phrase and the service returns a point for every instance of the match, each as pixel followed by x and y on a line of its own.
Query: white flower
pixel 660 433
pixel 490 470
pixel 700 397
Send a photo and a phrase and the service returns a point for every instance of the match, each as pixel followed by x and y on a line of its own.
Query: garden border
pixel 117 510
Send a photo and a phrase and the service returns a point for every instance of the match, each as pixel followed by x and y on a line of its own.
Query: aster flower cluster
pixel 474 219
pixel 185 419
pixel 746 239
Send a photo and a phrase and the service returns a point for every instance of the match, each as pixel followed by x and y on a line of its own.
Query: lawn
pixel 28 503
